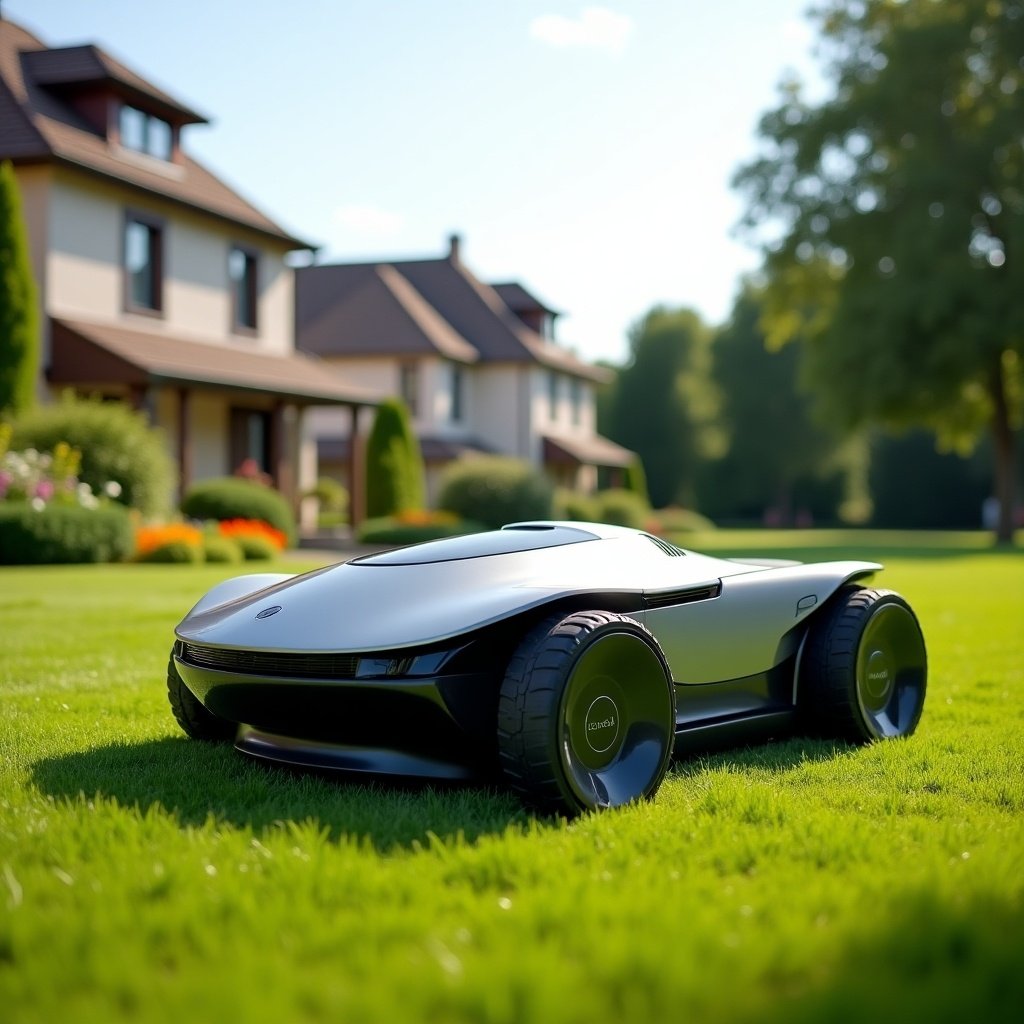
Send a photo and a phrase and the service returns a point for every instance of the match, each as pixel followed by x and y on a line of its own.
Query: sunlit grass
pixel 145 877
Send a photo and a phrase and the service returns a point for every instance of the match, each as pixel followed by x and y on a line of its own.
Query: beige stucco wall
pixel 85 278
pixel 501 408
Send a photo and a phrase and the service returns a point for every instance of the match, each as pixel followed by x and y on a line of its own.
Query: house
pixel 476 364
pixel 158 283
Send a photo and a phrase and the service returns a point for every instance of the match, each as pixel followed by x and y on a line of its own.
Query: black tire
pixel 190 714
pixel 864 669
pixel 586 716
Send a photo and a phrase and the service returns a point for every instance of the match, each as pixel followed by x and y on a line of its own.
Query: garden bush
pixel 495 490
pixel 117 445
pixel 621 508
pixel 573 505
pixel 218 548
pixel 59 533
pixel 231 498
pixel 332 501
pixel 681 520
pixel 256 548
pixel 181 552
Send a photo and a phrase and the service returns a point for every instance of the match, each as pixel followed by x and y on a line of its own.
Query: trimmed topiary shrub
pixel 59 534
pixel 394 463
pixel 230 498
pixel 117 445
pixel 621 508
pixel 495 490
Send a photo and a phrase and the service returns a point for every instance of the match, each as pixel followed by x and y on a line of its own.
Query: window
pixel 145 133
pixel 458 382
pixel 143 264
pixel 409 386
pixel 552 395
pixel 243 270
pixel 575 400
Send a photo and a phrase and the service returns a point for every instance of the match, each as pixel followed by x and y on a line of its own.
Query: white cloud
pixel 597 28
pixel 369 221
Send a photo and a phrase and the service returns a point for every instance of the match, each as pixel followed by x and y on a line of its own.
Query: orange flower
pixel 253 528
pixel 149 538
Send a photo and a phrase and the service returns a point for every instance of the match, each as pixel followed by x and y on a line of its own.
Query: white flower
pixel 112 489
pixel 38 504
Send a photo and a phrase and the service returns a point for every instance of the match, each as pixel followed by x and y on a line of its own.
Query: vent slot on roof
pixel 665 547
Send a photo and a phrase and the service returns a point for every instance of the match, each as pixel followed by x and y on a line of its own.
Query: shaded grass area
pixel 822 545
pixel 147 877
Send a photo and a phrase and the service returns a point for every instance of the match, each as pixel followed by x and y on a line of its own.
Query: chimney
pixel 454 247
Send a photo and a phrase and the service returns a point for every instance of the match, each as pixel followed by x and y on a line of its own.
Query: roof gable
pixel 339 313
pixel 38 123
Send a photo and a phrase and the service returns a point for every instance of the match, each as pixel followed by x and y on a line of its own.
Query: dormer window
pixel 145 133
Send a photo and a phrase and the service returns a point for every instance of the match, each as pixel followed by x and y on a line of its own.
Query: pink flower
pixel 44 490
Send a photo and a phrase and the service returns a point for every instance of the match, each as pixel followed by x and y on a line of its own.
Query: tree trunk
pixel 1005 475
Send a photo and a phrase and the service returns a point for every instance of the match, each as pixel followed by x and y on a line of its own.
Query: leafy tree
pixel 663 405
pixel 19 314
pixel 892 217
pixel 394 463
pixel 778 456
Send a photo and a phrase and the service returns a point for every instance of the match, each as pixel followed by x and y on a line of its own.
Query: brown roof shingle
pixel 341 312
pixel 37 124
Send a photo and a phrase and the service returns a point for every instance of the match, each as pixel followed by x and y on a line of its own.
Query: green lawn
pixel 146 877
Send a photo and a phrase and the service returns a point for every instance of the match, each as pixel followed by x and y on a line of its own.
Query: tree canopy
pixel 892 220
pixel 19 315
pixel 662 404
pixel 778 457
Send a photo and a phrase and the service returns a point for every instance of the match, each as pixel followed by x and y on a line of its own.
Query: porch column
pixel 185 467
pixel 281 455
pixel 356 492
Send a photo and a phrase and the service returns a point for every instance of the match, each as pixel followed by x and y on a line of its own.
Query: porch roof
pixel 84 354
pixel 593 450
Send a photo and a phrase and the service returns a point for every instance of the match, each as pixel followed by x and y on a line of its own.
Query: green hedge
pixel 117 444
pixel 231 498
pixel 387 530
pixel 495 490
pixel 58 534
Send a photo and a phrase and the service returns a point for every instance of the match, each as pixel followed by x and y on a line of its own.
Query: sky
pixel 583 150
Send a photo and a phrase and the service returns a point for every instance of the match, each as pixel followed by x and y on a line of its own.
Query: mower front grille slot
pixel 270 663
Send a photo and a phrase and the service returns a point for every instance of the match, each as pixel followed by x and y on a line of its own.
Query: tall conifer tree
pixel 19 314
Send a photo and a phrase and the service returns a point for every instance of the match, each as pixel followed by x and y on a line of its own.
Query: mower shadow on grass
pixel 778 755
pixel 192 783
